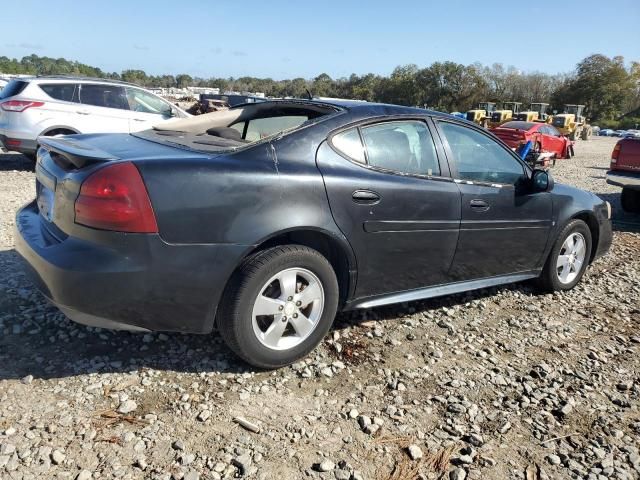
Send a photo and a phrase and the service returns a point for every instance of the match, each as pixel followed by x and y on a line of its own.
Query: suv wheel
pixel 279 305
pixel 568 259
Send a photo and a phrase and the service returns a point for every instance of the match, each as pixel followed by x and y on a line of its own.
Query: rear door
pixel 503 228
pixel 391 195
pixel 103 109
pixel 146 109
pixel 62 111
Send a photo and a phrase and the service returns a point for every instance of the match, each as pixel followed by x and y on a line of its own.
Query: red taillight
pixel 615 154
pixel 19 105
pixel 12 142
pixel 115 198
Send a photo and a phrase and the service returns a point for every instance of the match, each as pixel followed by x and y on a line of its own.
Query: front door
pixel 146 109
pixel 504 227
pixel 391 195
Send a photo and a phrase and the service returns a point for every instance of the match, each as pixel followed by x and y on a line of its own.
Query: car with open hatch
pixel 267 219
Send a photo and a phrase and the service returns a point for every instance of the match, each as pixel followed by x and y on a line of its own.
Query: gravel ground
pixel 504 383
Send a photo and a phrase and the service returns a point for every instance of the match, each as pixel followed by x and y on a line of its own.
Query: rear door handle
pixel 479 205
pixel 365 197
pixel 83 112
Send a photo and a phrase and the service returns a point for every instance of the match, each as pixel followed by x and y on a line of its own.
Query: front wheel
pixel 279 305
pixel 568 258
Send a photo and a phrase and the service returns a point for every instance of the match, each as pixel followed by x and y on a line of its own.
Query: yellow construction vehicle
pixel 498 117
pixel 537 112
pixel 481 114
pixel 572 123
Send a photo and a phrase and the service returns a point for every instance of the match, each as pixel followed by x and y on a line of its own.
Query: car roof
pixel 362 107
pixel 76 78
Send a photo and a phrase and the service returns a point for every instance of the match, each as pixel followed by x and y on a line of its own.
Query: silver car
pixel 57 105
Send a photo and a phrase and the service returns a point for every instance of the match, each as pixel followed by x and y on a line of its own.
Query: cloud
pixel 216 50
pixel 286 59
pixel 25 45
pixel 140 47
pixel 239 53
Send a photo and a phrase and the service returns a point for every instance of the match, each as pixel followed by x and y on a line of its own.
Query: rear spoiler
pixel 75 152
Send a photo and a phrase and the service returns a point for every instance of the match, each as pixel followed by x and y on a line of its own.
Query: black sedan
pixel 268 218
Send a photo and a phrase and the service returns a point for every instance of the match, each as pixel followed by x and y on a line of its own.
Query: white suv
pixel 57 105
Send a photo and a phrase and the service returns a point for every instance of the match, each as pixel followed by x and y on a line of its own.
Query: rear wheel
pixel 279 305
pixel 630 200
pixel 568 258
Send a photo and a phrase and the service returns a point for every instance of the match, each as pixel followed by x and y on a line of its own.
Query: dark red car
pixel 625 172
pixel 545 137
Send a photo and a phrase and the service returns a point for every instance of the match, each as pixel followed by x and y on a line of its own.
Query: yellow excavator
pixel 572 122
pixel 509 109
pixel 537 112
pixel 481 114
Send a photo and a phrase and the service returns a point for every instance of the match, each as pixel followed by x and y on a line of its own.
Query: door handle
pixel 365 197
pixel 479 205
pixel 83 112
pixel 138 119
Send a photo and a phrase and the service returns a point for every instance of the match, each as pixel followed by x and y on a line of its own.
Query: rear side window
pixel 110 96
pixel 405 147
pixel 350 144
pixel 479 158
pixel 14 87
pixel 67 92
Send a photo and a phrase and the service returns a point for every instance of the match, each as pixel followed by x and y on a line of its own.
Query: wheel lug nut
pixel 284 319
pixel 298 303
pixel 290 298
pixel 280 307
pixel 295 315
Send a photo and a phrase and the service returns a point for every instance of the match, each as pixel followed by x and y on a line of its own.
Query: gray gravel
pixel 504 383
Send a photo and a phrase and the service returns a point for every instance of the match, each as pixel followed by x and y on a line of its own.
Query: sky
pixel 287 39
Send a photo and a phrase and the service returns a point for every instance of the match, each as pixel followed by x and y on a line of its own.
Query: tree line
pixel 608 87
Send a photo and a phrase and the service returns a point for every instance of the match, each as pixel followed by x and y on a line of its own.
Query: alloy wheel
pixel 571 258
pixel 288 308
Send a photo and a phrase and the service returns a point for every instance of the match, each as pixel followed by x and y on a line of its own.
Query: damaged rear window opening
pixel 238 127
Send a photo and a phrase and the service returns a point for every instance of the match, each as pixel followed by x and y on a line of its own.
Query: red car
pixel 625 172
pixel 545 137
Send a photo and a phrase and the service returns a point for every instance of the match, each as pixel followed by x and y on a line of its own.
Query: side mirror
pixel 542 181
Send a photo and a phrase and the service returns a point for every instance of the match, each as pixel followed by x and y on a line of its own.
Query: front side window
pixel 110 96
pixel 478 158
pixel 67 92
pixel 144 102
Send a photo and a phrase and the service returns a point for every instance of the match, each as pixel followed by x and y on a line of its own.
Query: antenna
pixel 309 94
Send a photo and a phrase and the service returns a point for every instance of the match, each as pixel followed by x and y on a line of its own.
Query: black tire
pixel 234 317
pixel 549 280
pixel 630 200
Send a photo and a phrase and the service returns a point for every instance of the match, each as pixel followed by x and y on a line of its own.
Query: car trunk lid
pixel 65 162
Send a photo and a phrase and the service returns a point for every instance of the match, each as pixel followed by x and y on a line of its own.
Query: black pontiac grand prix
pixel 266 219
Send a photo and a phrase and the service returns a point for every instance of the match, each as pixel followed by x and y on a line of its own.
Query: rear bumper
pixel 21 145
pixel 623 179
pixel 138 283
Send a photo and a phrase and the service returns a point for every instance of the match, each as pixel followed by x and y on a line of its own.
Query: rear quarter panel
pixel 240 198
